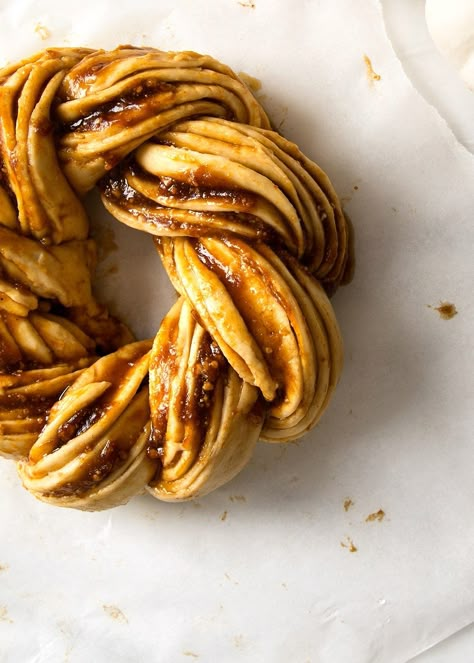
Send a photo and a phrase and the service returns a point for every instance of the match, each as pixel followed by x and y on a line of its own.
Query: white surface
pixel 437 81
pixel 452 27
pixel 271 581
pixel 433 75
pixel 458 648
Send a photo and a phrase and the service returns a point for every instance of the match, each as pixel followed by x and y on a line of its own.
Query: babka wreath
pixel 249 231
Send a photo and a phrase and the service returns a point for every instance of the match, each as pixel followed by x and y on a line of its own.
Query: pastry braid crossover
pixel 250 232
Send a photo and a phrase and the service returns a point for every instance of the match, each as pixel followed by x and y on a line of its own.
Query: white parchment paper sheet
pixel 262 570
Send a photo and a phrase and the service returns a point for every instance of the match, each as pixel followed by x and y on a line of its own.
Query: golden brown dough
pixel 249 230
pixel 206 419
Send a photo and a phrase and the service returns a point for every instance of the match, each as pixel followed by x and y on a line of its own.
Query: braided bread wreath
pixel 249 231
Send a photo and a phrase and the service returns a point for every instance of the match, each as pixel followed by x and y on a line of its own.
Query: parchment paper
pixel 284 564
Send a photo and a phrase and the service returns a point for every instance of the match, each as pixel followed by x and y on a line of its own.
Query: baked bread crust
pixel 249 230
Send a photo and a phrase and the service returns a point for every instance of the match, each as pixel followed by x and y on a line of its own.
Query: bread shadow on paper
pixel 385 377
pixel 382 374
pixel 384 387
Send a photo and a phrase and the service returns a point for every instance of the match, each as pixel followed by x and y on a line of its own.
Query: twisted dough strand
pixel 250 232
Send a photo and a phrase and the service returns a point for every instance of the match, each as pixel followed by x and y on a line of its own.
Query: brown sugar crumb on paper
pixel 446 310
pixel 377 515
pixel 4 615
pixel 249 4
pixel 348 503
pixel 239 641
pixel 371 74
pixel 114 269
pixel 234 582
pixel 42 31
pixel 190 653
pixel 115 613
pixel 238 498
pixel 224 516
pixel 106 241
pixel 349 544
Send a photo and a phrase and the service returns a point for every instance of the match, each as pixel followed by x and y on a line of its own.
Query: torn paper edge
pixel 441 119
